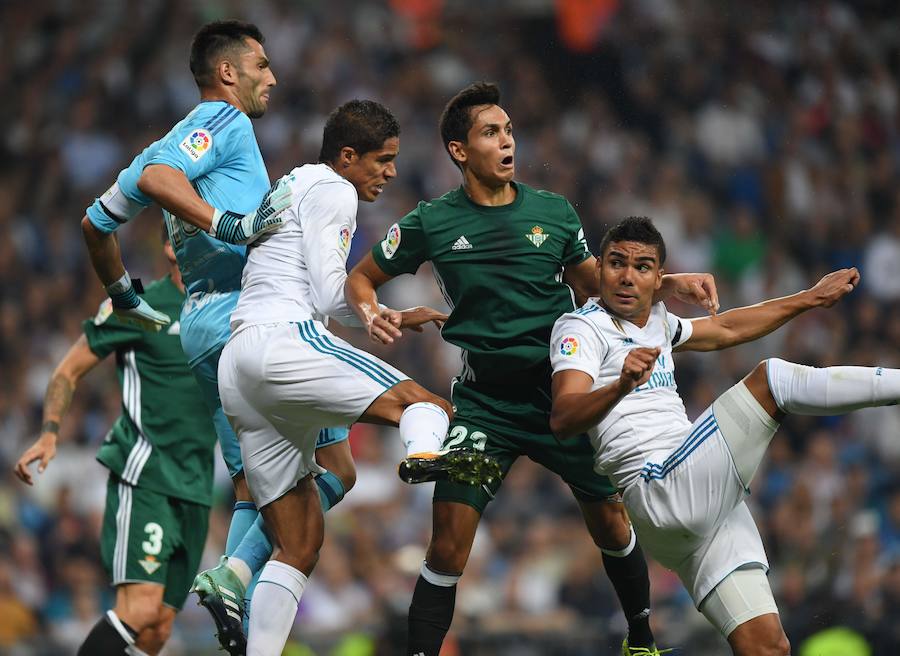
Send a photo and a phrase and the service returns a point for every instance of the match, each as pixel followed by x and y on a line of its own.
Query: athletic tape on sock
pixel 438 579
pixel 621 553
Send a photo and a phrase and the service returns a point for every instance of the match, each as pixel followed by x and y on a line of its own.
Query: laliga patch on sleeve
pixel 104 312
pixel 390 243
pixel 568 346
pixel 344 239
pixel 197 143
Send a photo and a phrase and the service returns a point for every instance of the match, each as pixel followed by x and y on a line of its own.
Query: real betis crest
pixel 150 564
pixel 537 236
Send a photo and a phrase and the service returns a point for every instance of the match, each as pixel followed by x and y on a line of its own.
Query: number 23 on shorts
pixel 459 437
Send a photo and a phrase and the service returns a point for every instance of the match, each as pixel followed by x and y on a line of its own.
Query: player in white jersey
pixel 282 374
pixel 684 483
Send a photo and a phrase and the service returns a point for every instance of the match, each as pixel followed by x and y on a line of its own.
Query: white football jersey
pixel 297 272
pixel 650 422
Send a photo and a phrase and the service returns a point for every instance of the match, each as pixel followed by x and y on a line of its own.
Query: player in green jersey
pixel 160 459
pixel 509 260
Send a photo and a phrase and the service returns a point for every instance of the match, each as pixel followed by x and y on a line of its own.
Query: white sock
pixel 241 569
pixel 803 390
pixel 423 427
pixel 275 602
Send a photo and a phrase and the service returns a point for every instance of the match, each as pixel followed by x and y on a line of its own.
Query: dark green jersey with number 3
pixel 500 270
pixel 164 440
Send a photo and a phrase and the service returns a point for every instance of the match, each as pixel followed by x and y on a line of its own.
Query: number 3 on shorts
pixel 153 544
pixel 458 435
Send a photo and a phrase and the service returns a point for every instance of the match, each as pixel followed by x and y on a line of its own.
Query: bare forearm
pixel 752 322
pixel 575 413
pixel 172 190
pixel 103 249
pixel 361 296
pixel 57 400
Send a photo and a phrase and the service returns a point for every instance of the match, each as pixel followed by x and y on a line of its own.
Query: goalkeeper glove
pixel 236 228
pixel 131 308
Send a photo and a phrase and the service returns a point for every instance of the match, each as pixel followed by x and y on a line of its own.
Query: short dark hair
pixel 216 39
pixel 456 119
pixel 363 125
pixel 635 228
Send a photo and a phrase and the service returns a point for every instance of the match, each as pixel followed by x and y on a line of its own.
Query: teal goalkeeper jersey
pixel 215 147
pixel 164 439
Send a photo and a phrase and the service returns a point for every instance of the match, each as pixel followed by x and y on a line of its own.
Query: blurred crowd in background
pixel 762 137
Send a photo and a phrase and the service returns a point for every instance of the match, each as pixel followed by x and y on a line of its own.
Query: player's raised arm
pixel 692 288
pixel 76 363
pixel 172 190
pixel 749 323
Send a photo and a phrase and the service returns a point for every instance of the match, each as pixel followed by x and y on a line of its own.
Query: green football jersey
pixel 164 439
pixel 500 270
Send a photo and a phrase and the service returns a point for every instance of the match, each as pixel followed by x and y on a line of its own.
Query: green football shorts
pixel 148 537
pixel 506 423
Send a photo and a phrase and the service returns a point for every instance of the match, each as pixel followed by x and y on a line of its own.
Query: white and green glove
pixel 236 228
pixel 131 308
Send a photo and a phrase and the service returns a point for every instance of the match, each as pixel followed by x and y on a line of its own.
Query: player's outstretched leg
pixel 423 419
pixel 777 387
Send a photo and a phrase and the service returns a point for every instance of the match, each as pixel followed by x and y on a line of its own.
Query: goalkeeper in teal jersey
pixel 209 177
pixel 509 260
pixel 160 459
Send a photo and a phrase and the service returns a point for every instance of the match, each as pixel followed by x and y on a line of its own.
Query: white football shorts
pixel 280 384
pixel 689 512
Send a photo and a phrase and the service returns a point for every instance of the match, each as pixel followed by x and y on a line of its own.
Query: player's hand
pixel 637 367
pixel 44 450
pixel 693 288
pixel 237 228
pixel 143 316
pixel 415 318
pixel 384 327
pixel 834 286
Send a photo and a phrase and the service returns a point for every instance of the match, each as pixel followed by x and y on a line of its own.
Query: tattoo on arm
pixel 50 426
pixel 56 402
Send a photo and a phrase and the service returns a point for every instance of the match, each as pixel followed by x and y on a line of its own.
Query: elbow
pixel 559 426
pixel 90 232
pixel 148 183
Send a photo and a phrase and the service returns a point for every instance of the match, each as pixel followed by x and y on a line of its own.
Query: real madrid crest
pixel 537 236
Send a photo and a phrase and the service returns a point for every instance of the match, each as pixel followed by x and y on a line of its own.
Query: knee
pixel 142 617
pixel 415 393
pixel 611 528
pixel 348 478
pixel 773 644
pixel 447 554
pixel 776 646
pixel 345 470
pixel 153 639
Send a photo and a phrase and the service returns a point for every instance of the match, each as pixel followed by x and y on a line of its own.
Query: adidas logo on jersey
pixel 461 244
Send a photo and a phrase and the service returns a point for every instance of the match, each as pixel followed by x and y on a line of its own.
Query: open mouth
pixel 507 161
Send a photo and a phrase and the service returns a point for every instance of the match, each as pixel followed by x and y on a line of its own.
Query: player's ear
pixel 346 157
pixel 226 72
pixel 457 151
pixel 659 275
